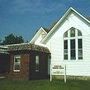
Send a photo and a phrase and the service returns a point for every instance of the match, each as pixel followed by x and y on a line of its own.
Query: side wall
pixel 55 45
pixel 4 63
pixel 43 65
pixel 24 71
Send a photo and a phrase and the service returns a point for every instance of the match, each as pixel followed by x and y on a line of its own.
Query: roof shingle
pixel 28 47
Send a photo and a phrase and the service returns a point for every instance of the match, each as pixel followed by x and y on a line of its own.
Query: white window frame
pixel 37 62
pixel 16 56
pixel 76 38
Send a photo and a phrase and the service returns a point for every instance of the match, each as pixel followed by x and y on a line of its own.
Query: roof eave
pixel 28 47
pixel 61 20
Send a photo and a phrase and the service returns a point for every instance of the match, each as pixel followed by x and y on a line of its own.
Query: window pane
pixel 72 32
pixel 73 54
pixel 17 63
pixel 65 49
pixel 80 57
pixel 65 56
pixel 37 59
pixel 79 33
pixel 79 43
pixel 80 54
pixel 17 60
pixel 37 64
pixel 65 44
pixel 72 43
pixel 17 67
pixel 73 51
pixel 66 34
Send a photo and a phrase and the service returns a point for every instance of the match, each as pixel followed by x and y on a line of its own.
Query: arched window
pixel 73 44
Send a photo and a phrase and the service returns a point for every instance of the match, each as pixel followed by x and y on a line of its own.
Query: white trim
pixel 37 34
pixel 3 46
pixel 17 44
pixel 76 43
pixel 69 53
pixel 16 70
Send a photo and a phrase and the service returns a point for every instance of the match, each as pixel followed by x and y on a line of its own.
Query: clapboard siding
pixel 55 45
pixel 86 47
pixel 54 42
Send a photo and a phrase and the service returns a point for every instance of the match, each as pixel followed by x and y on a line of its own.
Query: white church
pixel 68 42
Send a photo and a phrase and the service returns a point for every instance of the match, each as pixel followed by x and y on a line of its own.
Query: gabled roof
pixel 22 47
pixel 46 29
pixel 60 21
pixel 38 33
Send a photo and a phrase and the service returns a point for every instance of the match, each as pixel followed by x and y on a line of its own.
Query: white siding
pixel 40 38
pixel 55 45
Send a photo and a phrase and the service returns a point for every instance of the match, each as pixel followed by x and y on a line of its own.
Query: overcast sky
pixel 25 17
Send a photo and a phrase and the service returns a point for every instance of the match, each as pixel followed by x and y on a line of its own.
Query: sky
pixel 25 17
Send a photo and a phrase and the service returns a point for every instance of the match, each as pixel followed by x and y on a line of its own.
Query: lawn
pixel 44 85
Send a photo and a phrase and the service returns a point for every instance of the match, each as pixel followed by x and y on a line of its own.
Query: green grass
pixel 44 85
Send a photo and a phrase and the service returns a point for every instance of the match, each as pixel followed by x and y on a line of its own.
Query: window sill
pixel 79 60
pixel 16 70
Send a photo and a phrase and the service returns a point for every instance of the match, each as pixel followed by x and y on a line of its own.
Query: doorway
pixel 38 66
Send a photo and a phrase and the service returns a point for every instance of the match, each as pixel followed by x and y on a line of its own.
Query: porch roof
pixel 27 46
pixel 3 50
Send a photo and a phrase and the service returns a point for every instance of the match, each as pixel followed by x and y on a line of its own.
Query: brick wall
pixel 24 70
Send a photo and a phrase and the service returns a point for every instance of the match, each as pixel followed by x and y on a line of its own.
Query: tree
pixel 12 39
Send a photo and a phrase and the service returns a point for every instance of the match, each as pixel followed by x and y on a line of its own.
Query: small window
pixel 17 63
pixel 37 63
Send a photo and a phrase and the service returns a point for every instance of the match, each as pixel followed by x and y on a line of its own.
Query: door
pixel 38 66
